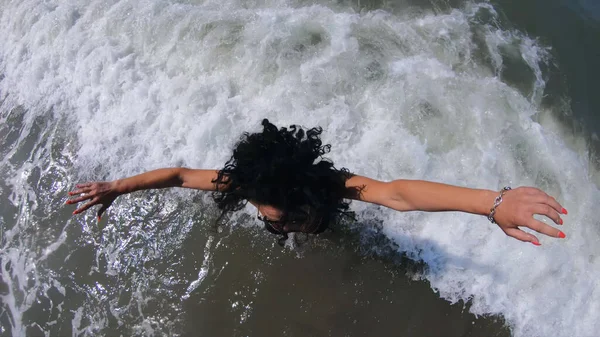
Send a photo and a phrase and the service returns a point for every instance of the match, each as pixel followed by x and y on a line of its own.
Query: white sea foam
pixel 145 84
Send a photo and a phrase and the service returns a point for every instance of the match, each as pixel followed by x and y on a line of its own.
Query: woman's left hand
pixel 98 193
pixel 518 208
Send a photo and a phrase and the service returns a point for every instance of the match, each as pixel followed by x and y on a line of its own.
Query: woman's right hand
pixel 98 193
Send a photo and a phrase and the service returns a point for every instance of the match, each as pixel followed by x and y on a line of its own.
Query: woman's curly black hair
pixel 284 168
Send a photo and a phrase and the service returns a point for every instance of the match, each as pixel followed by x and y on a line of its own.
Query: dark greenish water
pixel 479 94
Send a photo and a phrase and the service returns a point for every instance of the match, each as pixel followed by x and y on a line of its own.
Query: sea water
pixel 99 90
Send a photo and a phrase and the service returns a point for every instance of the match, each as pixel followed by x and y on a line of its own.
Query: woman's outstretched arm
pixel 516 210
pixel 104 193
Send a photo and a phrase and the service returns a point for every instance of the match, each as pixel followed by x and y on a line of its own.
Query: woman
pixel 282 173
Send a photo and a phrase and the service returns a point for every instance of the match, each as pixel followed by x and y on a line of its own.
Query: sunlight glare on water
pixel 107 89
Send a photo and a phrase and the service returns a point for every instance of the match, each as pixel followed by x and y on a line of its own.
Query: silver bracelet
pixel 497 202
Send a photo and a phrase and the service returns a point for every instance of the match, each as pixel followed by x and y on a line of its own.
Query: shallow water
pixel 101 90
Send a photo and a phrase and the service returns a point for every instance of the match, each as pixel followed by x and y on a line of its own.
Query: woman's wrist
pixel 120 187
pixel 486 202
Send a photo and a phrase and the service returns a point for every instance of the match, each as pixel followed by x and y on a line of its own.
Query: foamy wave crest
pixel 144 84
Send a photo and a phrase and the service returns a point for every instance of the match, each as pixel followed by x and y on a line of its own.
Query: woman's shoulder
pixel 363 188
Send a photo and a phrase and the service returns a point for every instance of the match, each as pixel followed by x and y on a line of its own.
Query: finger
pixel 101 211
pixel 544 198
pixel 520 235
pixel 79 191
pixel 541 227
pixel 79 199
pixel 544 209
pixel 86 206
pixel 84 185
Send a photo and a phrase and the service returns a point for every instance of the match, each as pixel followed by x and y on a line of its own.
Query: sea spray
pixel 108 89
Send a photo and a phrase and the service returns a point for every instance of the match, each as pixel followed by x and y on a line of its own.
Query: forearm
pixel 161 178
pixel 419 195
pixel 105 193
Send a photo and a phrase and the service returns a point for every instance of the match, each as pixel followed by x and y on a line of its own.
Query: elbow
pixel 394 199
pixel 403 206
pixel 179 175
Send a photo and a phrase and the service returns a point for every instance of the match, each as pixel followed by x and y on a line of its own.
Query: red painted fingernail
pixel 70 193
pixel 74 212
pixel 99 219
pixel 561 235
pixel 564 211
pixel 536 243
pixel 560 221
